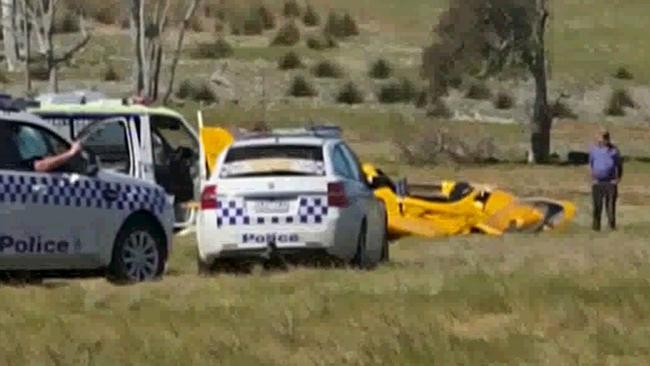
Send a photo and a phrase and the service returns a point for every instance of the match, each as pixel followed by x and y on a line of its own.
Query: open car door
pixel 114 142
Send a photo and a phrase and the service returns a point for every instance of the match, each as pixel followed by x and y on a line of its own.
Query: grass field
pixel 572 297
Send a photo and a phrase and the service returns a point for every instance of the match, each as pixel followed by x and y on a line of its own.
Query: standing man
pixel 606 166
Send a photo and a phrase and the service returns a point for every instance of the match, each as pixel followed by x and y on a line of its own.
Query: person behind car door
pixel 606 167
pixel 10 156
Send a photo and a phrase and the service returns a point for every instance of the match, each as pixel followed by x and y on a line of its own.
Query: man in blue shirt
pixel 606 166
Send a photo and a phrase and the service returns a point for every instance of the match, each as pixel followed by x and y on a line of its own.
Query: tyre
pixel 385 249
pixel 139 253
pixel 360 259
pixel 203 268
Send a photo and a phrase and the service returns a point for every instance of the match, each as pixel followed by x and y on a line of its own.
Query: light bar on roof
pixel 316 131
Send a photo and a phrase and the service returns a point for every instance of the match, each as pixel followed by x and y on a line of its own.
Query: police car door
pixel 49 220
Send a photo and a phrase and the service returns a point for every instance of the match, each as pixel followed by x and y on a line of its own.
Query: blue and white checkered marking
pixel 84 193
pixel 311 210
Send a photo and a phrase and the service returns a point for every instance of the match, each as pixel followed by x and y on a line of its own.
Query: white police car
pixel 79 217
pixel 290 193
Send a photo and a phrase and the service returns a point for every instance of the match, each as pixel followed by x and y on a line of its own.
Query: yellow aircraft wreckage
pixel 437 210
pixel 458 208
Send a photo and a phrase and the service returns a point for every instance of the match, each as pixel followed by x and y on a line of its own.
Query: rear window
pixel 273 160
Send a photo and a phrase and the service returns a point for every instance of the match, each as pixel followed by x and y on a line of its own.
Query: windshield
pixel 273 160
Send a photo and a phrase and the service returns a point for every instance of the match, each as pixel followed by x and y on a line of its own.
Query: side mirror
pixel 381 181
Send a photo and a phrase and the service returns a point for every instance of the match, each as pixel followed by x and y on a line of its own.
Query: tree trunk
pixel 54 77
pixel 179 47
pixel 137 35
pixel 27 30
pixel 540 138
pixel 9 34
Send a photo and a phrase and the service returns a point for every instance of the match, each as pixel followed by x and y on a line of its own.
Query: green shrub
pixel 397 92
pixel 3 78
pixel 288 35
pixel 213 50
pixel 111 74
pixel 268 20
pixel 350 94
pixel 623 74
pixel 196 24
pixel 67 21
pixel 290 61
pixel 439 109
pixel 349 26
pixel 421 100
pixel 300 88
pixel 619 100
pixel 380 69
pixel 503 100
pixel 314 44
pixel 333 26
pixel 559 109
pixel 38 71
pixel 253 24
pixel 199 92
pixel 478 91
pixel 327 69
pixel 291 9
pixel 311 17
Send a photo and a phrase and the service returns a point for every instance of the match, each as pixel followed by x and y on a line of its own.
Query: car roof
pixel 24 117
pixel 103 106
pixel 282 140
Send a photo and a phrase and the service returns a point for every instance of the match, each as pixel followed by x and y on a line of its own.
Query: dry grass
pixel 559 298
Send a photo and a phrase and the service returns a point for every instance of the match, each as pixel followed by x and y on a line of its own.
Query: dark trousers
pixel 604 193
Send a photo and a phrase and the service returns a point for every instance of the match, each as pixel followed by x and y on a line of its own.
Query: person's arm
pixel 619 165
pixel 50 163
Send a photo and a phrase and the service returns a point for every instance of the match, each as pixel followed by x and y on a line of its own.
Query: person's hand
pixel 75 148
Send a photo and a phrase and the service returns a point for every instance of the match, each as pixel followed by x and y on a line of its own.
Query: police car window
pixel 110 143
pixel 271 160
pixel 341 164
pixel 354 162
pixel 21 142
pixel 173 132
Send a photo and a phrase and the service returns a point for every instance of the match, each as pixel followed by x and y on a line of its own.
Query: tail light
pixel 209 198
pixel 336 196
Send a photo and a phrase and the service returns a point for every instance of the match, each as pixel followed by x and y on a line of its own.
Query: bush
pixel 619 100
pixel 623 74
pixel 268 20
pixel 381 69
pixel 38 71
pixel 288 35
pixel 439 109
pixel 478 91
pixel 314 44
pixel 196 24
pixel 219 26
pixel 291 9
pixel 333 27
pixel 350 94
pixel 290 61
pixel 397 92
pixel 422 99
pixel 3 78
pixel 559 109
pixel 311 18
pixel 503 100
pixel 327 69
pixel 110 74
pixel 300 88
pixel 349 26
pixel 213 50
pixel 67 22
pixel 199 92
pixel 253 24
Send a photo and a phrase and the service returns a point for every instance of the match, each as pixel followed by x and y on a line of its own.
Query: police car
pixel 290 193
pixel 79 217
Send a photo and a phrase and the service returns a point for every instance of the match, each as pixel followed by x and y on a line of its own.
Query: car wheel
pixel 360 259
pixel 385 249
pixel 138 254
pixel 203 268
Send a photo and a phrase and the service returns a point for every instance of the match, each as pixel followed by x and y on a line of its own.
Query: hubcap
pixel 140 256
